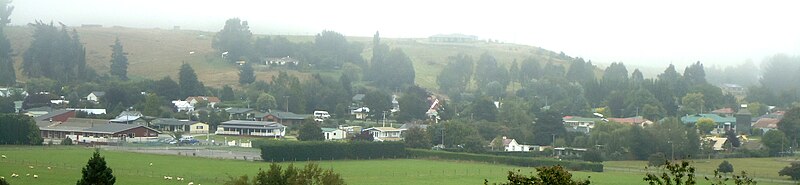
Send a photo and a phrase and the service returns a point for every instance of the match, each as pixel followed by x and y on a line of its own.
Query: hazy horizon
pixel 717 33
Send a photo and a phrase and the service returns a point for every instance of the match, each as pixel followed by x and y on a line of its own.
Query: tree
pixel 792 171
pixel 235 39
pixel 695 74
pixel 413 104
pixel 733 138
pixel 790 125
pixel 593 156
pixel 311 174
pixel 657 159
pixel 227 93
pixel 677 174
pixel 66 141
pixel 706 125
pixel 55 54
pixel 189 84
pixel 310 131
pixel 19 129
pixel 483 109
pixel 96 172
pixel 775 141
pixel 397 70
pixel 119 61
pixel 8 74
pixel 692 103
pixel 456 75
pixel 529 70
pixel 265 102
pixel 7 105
pixel 544 176
pixel 246 74
pixel 547 127
pixel 725 167
pixel 378 101
pixel 152 105
pixel 415 137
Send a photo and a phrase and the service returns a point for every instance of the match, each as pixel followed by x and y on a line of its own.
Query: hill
pixel 155 53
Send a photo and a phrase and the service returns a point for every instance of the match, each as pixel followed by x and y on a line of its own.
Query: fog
pixel 638 33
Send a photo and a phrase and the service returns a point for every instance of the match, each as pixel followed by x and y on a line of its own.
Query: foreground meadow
pixel 133 168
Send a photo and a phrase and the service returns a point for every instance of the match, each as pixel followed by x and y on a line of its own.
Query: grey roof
pixel 51 114
pixel 111 128
pixel 172 122
pixel 98 93
pixel 288 115
pixel 236 110
pixel 252 123
pixel 410 125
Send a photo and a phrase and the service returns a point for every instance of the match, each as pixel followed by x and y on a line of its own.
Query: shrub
pixel 792 171
pixel 66 141
pixel 656 159
pixel 509 160
pixel 725 167
pixel 319 150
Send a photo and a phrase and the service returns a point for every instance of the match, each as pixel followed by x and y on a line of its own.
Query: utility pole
pixel 554 144
pixel 287 103
pixel 384 118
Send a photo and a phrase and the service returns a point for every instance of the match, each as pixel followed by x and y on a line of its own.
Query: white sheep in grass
pixel 4 156
pixel 31 167
pixel 180 178
pixel 190 183
pixel 14 175
pixel 35 176
pixel 151 164
pixel 49 168
pixel 1 177
pixel 27 174
pixel 166 177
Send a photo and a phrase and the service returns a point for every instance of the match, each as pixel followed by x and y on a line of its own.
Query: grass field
pixel 133 168
pixel 764 168
pixel 155 53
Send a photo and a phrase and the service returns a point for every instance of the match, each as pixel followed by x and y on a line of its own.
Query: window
pixel 198 127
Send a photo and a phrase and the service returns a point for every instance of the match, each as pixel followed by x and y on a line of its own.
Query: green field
pixel 133 168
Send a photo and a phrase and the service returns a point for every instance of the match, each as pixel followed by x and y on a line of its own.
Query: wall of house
pixel 198 128
pixel 139 132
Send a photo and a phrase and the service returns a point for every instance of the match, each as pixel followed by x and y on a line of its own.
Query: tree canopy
pixel 96 172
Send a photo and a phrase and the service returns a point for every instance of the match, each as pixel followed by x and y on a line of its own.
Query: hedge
pixel 318 150
pixel 509 160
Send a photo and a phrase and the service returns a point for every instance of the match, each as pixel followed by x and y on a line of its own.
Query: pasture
pixel 133 168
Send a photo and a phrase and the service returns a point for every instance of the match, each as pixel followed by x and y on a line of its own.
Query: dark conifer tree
pixel 119 61
pixel 96 172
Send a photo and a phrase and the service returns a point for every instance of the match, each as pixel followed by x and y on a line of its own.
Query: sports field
pixel 134 168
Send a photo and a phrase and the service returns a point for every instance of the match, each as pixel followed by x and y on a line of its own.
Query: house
pixel 211 100
pixel 183 106
pixel 385 133
pixel 96 131
pixel 569 152
pixel 11 91
pixel 130 117
pixel 38 111
pixel 717 143
pixel 90 111
pixel 175 125
pixel 723 122
pixel 334 134
pixel 637 120
pixel 580 124
pixel 287 60
pixel 350 129
pixel 724 111
pixel 360 113
pixel 453 38
pixel 766 124
pixel 17 106
pixel 285 118
pixel 95 96
pixel 510 145
pixel 251 128
pixel 240 113
pixel 59 115
pixel 733 89
pixel 410 125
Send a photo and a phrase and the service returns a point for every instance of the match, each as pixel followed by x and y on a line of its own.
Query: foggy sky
pixel 643 33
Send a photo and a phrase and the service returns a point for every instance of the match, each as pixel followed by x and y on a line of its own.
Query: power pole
pixel 287 103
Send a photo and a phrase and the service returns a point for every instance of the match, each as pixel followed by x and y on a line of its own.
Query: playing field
pixel 134 168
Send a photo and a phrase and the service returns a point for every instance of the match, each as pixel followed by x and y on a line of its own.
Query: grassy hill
pixel 155 53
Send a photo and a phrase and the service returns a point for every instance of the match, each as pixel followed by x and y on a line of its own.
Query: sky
pixel 643 33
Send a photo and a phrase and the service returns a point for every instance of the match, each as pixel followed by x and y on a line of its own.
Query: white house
pixel 361 113
pixel 212 100
pixel 95 96
pixel 251 128
pixel 385 133
pixel 511 145
pixel 175 125
pixel 334 134
pixel 183 106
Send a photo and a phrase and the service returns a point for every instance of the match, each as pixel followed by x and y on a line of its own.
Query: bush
pixel 516 161
pixel 791 171
pixel 725 167
pixel 656 159
pixel 593 156
pixel 319 150
pixel 66 141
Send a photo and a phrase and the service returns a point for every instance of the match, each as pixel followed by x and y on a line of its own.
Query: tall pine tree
pixel 96 172
pixel 189 84
pixel 246 74
pixel 8 76
pixel 119 61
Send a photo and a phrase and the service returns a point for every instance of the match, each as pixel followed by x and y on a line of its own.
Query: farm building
pixel 251 128
pixel 95 131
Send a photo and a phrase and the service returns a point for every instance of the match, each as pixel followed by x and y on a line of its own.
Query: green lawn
pixel 133 168
pixel 763 168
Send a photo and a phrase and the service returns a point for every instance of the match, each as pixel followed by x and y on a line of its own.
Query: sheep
pixel 190 183
pixel 49 168
pixel 35 176
pixel 151 164
pixel 27 174
pixel 1 177
pixel 14 175
pixel 31 167
pixel 166 178
pixel 180 178
pixel 3 156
